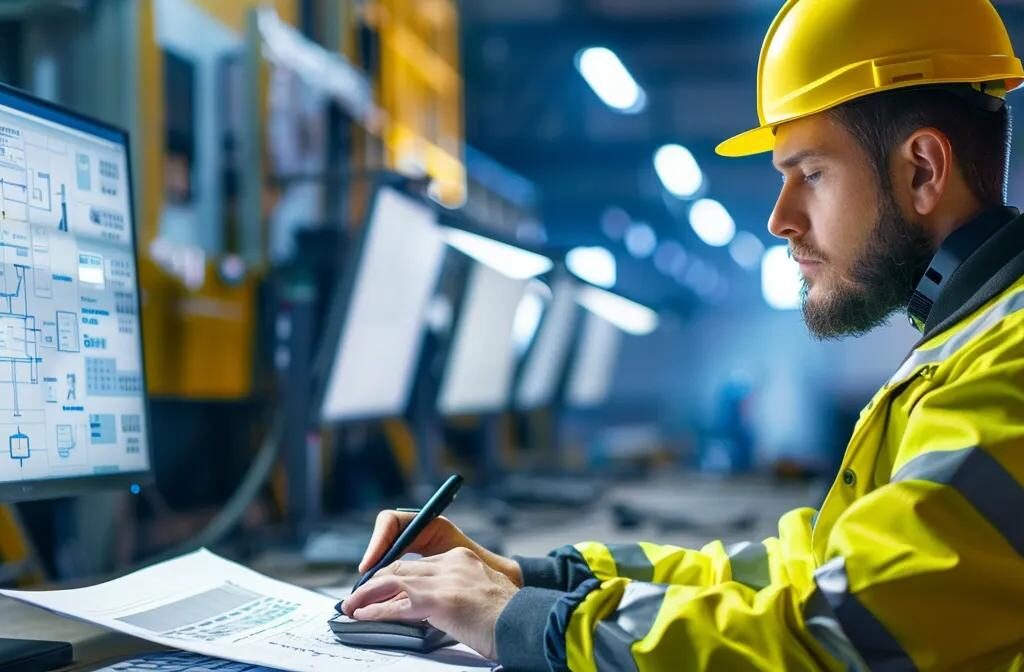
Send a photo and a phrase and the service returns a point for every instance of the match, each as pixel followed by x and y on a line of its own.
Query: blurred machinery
pixel 261 132
pixel 254 125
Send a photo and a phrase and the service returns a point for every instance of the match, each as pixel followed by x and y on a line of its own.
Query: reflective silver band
pixel 876 647
pixel 981 480
pixel 824 627
pixel 984 322
pixel 750 564
pixel 615 636
pixel 631 562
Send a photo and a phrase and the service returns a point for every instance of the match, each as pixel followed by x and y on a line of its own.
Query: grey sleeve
pixel 563 569
pixel 521 630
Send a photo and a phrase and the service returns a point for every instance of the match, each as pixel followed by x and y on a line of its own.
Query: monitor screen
pixel 593 369
pixel 545 363
pixel 72 388
pixel 382 327
pixel 482 359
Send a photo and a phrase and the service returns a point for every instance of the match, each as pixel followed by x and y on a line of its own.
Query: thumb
pixel 387 528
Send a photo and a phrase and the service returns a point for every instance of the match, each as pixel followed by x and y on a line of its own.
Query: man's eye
pixel 813 177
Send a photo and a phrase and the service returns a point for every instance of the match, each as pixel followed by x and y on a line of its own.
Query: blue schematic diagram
pixel 19 336
pixel 65 440
pixel 20 447
pixel 63 226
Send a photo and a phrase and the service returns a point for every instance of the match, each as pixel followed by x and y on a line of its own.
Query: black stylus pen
pixel 434 507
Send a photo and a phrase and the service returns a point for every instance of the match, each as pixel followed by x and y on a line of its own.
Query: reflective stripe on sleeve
pixel 750 564
pixel 981 480
pixel 825 628
pixel 876 646
pixel 631 562
pixel 986 321
pixel 615 636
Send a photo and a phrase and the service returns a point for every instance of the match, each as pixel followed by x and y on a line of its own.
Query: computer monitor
pixel 483 355
pixel 545 363
pixel 376 332
pixel 73 414
pixel 593 368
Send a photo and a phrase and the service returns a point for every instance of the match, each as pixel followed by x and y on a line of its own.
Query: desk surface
pixel 532 534
pixel 92 644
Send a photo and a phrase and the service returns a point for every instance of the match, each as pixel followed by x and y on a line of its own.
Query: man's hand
pixel 439 537
pixel 455 591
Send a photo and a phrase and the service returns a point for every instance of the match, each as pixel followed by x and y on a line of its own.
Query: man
pixel 888 124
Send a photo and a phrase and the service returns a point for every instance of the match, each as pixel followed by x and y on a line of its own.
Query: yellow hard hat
pixel 822 53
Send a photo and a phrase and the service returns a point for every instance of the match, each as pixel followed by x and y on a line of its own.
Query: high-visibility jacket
pixel 914 561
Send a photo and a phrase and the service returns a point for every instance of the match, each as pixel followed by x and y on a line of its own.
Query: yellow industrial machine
pixel 421 90
pixel 201 324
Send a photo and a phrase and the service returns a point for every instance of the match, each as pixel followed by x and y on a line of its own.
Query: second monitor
pixel 377 329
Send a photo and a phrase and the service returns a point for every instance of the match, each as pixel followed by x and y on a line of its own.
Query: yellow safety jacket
pixel 914 561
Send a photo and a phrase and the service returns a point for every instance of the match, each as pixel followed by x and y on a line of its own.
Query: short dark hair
pixel 978 131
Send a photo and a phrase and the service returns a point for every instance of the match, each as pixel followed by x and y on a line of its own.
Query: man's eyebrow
pixel 798 158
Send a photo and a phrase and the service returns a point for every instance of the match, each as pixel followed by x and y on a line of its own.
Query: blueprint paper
pixel 208 605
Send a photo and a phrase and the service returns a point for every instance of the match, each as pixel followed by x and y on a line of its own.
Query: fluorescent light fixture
pixel 781 281
pixel 678 171
pixel 514 262
pixel 528 314
pixel 614 222
pixel 669 255
pixel 746 250
pixel 712 222
pixel 630 316
pixel 596 265
pixel 703 279
pixel 641 240
pixel 610 80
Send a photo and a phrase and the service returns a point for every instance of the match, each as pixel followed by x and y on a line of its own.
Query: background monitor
pixel 380 327
pixel 73 413
pixel 593 369
pixel 482 359
pixel 545 363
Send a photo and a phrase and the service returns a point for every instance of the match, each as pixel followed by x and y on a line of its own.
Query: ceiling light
pixel 712 222
pixel 595 265
pixel 678 171
pixel 746 250
pixel 610 80
pixel 641 241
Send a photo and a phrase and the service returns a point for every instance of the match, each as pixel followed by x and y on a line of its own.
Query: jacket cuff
pixel 540 572
pixel 521 629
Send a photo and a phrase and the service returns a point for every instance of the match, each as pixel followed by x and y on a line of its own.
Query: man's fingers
pixel 375 591
pixel 423 567
pixel 399 609
pixel 387 528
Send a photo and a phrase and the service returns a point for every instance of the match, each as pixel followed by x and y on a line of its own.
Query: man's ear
pixel 925 168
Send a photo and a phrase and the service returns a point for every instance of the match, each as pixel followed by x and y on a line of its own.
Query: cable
pixel 233 510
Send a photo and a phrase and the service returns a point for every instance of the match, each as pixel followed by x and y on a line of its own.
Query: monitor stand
pixel 33 655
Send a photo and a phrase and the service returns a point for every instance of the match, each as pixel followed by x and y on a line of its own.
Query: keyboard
pixel 180 661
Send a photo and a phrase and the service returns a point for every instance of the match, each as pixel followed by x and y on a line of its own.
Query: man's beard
pixel 881 281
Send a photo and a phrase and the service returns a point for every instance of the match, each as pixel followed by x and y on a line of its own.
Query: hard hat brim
pixel 755 141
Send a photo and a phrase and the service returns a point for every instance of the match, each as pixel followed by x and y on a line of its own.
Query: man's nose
pixel 788 220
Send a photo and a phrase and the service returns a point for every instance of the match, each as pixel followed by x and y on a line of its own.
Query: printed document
pixel 205 604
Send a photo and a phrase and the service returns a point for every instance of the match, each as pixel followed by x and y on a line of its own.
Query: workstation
pixel 453 335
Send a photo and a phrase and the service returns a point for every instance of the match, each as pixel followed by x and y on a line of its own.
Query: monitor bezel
pixel 460 221
pixel 558 273
pixel 459 318
pixel 48 488
pixel 339 302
